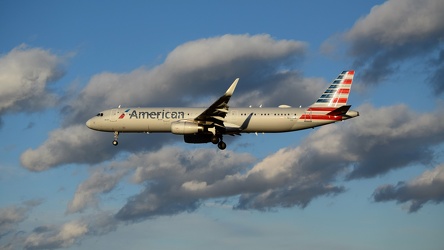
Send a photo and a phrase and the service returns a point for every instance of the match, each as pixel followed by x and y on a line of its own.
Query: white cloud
pixel 56 237
pixel 24 76
pixel 194 185
pixel 395 31
pixel 173 83
pixel 100 181
pixel 174 179
pixel 10 218
pixel 187 72
pixel 289 88
pixel 379 141
pixel 64 235
pixel 65 146
pixel 218 53
pixel 428 187
pixel 370 145
pixel 397 22
pixel 381 137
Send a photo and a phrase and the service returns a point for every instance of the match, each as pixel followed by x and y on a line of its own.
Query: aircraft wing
pixel 216 113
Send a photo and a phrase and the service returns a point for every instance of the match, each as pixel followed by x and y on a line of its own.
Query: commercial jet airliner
pixel 203 125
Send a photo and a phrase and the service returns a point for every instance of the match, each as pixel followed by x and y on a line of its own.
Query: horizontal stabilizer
pixel 341 111
pixel 231 128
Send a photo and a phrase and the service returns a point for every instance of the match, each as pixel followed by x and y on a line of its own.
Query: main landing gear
pixel 116 136
pixel 217 139
pixel 222 145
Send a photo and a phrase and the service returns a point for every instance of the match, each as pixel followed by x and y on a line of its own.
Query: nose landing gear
pixel 116 136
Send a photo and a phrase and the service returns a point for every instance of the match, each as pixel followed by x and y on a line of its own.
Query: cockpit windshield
pixel 99 114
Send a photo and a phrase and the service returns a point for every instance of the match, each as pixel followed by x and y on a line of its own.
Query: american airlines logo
pixel 154 114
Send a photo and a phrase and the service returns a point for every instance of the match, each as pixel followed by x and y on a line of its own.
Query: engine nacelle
pixel 185 128
pixel 198 138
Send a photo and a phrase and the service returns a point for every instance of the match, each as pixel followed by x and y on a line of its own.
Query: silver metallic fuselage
pixel 250 120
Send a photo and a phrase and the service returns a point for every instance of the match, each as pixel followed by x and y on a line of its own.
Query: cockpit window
pixel 99 114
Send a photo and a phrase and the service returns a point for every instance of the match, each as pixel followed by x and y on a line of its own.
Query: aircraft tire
pixel 214 139
pixel 222 145
pixel 115 143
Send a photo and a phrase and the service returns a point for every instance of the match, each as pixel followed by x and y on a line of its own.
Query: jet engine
pixel 185 128
pixel 198 138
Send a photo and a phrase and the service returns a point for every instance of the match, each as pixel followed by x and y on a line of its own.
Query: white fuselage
pixel 249 120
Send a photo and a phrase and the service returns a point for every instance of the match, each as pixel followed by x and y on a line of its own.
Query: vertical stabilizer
pixel 337 94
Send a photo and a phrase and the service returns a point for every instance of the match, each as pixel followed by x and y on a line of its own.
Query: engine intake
pixel 185 128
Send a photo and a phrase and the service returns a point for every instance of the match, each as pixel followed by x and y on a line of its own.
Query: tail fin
pixel 337 94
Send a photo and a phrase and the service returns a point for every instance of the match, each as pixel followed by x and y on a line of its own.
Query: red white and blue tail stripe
pixel 337 94
pixel 332 105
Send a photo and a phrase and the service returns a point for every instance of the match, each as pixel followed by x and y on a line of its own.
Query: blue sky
pixel 373 182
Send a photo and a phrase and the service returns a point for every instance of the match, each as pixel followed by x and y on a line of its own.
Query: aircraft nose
pixel 89 123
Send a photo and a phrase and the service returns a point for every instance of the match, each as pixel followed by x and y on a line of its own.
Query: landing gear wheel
pixel 215 139
pixel 221 145
pixel 116 136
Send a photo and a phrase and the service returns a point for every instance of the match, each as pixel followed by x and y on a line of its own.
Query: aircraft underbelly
pixel 142 126
pixel 269 125
pixel 300 125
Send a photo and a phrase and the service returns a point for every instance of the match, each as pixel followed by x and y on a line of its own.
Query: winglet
pixel 231 88
pixel 219 108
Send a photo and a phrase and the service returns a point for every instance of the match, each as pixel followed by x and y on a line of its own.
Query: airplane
pixel 204 125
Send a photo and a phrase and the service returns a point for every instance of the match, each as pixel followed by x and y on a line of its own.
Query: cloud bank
pixel 176 180
pixel 192 70
pixel 51 237
pixel 428 187
pixel 25 74
pixel 395 31
pixel 10 218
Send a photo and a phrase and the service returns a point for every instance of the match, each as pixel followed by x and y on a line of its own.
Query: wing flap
pixel 222 110
pixel 218 118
